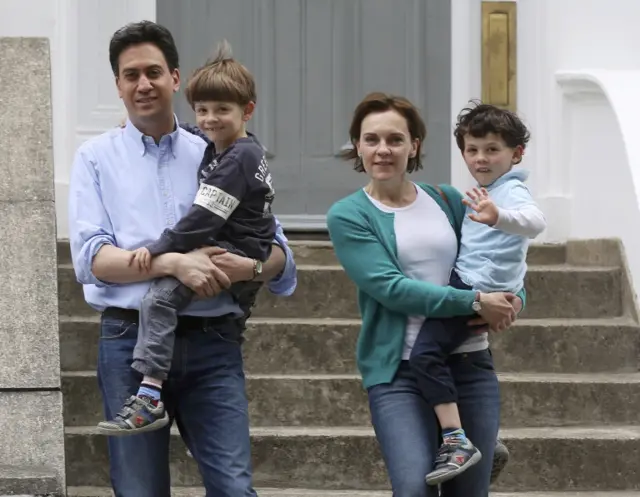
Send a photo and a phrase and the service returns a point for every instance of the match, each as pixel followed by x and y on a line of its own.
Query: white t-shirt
pixel 427 248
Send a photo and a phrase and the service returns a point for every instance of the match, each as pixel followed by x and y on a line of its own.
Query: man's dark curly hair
pixel 478 120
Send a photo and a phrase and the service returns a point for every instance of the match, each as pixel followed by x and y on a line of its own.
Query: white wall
pixel 558 36
pixel 84 98
pixel 573 148
pixel 579 75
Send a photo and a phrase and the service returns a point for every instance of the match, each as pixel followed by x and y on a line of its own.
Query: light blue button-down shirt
pixel 124 191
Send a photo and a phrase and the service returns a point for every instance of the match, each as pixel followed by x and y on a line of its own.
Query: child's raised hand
pixel 486 212
pixel 142 258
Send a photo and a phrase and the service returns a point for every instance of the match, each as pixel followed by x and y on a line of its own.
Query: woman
pixel 398 242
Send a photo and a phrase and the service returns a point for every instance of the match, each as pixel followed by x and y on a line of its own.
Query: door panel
pixel 313 61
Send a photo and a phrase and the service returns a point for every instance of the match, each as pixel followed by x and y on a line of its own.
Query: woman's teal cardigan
pixel 364 241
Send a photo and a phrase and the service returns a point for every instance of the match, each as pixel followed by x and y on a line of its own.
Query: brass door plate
pixel 499 75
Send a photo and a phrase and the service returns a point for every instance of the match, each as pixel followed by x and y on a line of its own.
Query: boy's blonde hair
pixel 221 79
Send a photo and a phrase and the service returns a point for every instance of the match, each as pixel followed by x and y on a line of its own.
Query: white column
pixel 466 83
pixel 540 105
pixel 85 99
pixel 64 104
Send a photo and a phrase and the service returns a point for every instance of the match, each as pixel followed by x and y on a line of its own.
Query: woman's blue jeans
pixel 408 432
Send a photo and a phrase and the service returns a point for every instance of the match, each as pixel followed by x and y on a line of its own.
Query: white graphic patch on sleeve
pixel 216 200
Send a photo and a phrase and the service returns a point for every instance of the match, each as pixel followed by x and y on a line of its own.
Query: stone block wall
pixel 32 447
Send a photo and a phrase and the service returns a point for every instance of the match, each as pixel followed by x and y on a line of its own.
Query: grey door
pixel 313 61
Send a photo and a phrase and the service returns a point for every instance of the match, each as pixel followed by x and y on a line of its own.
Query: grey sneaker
pixel 138 415
pixel 500 460
pixel 453 459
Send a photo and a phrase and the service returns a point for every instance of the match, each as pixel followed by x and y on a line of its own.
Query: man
pixel 127 186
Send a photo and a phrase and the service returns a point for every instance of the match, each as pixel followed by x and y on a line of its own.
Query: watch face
pixel 476 306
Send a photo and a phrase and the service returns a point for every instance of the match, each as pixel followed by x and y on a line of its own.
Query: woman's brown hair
pixel 382 102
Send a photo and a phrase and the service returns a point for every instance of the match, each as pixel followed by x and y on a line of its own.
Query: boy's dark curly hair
pixel 478 120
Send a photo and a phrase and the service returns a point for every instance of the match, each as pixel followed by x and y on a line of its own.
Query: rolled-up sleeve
pixel 89 224
pixel 285 283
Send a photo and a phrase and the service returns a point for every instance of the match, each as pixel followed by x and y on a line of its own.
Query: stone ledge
pixel 33 495
pixel 23 481
pixel 32 448
pixel 29 357
pixel 25 128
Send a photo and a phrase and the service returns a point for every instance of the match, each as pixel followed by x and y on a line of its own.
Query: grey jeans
pixel 159 319
pixel 158 322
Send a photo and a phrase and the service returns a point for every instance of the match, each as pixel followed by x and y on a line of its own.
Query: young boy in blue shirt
pixel 501 218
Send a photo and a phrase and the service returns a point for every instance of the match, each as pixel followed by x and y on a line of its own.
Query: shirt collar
pixel 142 141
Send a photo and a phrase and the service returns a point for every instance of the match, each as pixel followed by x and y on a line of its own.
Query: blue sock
pixel 453 435
pixel 150 391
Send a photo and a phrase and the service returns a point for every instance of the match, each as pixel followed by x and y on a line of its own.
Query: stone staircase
pixel 568 370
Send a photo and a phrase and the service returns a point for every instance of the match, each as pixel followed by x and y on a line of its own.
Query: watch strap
pixel 257 268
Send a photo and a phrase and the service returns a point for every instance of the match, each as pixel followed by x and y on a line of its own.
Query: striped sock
pixel 453 435
pixel 150 391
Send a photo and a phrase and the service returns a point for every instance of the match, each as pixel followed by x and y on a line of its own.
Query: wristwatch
pixel 476 306
pixel 257 268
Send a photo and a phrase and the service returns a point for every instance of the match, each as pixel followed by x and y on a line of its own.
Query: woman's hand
pixel 198 272
pixel 498 310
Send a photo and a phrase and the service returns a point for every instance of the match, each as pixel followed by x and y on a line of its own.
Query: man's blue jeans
pixel 408 433
pixel 205 394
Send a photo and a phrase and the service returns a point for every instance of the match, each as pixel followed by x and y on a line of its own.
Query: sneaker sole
pixel 500 460
pixel 119 432
pixel 437 480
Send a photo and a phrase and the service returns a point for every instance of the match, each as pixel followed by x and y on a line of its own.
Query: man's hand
pixel 141 257
pixel 481 203
pixel 197 271
pixel 236 267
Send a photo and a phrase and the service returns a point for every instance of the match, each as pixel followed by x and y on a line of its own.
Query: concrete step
pixel 542 459
pixel 317 346
pixel 28 481
pixel 533 400
pixel 262 492
pixel 327 292
pixel 301 492
pixel 568 346
pixel 320 252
